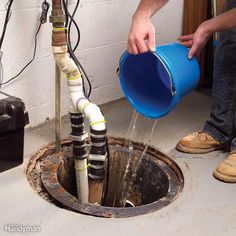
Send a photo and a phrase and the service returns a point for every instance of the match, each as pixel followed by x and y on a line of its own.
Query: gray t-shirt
pixel 229 4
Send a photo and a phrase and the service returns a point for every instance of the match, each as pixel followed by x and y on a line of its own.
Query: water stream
pixel 140 130
pixel 124 162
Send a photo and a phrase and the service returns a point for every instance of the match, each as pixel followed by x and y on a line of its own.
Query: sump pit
pixel 158 182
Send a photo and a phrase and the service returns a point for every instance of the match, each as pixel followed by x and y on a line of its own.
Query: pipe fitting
pixel 93 112
pixel 57 19
pixel 65 63
pixel 75 84
pixel 57 15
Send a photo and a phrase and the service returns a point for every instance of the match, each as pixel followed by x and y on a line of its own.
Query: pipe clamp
pixel 93 157
pixel 78 138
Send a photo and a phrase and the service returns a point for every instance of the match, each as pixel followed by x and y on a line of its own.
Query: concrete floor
pixel 205 207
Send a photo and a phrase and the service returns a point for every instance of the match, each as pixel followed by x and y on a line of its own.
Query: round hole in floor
pixel 157 183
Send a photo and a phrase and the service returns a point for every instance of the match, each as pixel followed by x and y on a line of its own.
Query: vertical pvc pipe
pixel 57 109
pixel 82 180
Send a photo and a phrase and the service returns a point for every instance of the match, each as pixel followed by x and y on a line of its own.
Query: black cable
pixel 70 24
pixel 6 94
pixel 65 3
pixel 68 18
pixel 34 53
pixel 7 18
pixel 70 50
pixel 6 7
pixel 86 76
pixel 72 54
pixel 43 19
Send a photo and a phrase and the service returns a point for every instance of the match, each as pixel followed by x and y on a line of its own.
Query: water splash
pixel 134 169
pixel 123 162
pixel 141 130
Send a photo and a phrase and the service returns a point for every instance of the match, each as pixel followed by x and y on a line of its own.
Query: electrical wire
pixel 7 18
pixel 43 19
pixel 70 24
pixel 1 69
pixel 68 17
pixel 6 94
pixel 70 20
pixel 6 7
pixel 65 3
pixel 32 59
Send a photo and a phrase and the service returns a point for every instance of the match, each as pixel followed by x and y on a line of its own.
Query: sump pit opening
pixel 158 182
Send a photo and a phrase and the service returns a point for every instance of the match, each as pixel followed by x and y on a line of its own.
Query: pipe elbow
pixel 64 62
pixel 75 82
pixel 93 112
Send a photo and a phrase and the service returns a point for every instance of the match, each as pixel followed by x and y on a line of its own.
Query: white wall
pixel 104 28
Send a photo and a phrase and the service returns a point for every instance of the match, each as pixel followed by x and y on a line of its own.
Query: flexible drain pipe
pixel 83 105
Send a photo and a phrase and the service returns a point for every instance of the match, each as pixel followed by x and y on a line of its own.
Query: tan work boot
pixel 198 143
pixel 226 170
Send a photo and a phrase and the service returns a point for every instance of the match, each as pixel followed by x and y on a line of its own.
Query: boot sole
pixel 224 178
pixel 196 151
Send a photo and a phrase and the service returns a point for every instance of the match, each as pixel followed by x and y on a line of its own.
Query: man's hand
pixel 197 41
pixel 142 33
pixel 141 36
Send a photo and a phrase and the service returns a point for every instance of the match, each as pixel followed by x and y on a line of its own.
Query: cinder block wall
pixel 104 26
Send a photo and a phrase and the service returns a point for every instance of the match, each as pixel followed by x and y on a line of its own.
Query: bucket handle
pixel 172 87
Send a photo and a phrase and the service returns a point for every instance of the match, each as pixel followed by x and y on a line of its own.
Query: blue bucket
pixel 154 82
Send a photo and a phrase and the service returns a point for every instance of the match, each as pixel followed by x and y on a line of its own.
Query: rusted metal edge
pixel 52 185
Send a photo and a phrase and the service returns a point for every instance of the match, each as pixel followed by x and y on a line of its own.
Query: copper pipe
pixel 56 3
pixel 57 16
pixel 57 109
pixel 59 39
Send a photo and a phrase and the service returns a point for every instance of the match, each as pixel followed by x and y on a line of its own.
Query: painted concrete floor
pixel 205 207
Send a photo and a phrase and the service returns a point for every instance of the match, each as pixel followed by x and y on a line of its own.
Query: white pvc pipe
pixel 90 110
pixel 64 62
pixel 81 173
pixel 75 84
pixel 93 112
pixel 82 180
pixel 81 103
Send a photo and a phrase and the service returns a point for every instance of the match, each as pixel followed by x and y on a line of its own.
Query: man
pixel 220 130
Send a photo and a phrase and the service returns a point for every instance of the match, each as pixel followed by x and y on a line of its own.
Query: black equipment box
pixel 13 119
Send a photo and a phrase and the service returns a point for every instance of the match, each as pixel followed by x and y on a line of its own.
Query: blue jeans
pixel 222 122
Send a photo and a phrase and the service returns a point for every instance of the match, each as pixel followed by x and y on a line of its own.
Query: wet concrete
pixel 205 207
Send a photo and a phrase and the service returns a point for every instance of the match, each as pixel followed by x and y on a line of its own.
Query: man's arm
pixel 142 28
pixel 199 39
pixel 224 21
